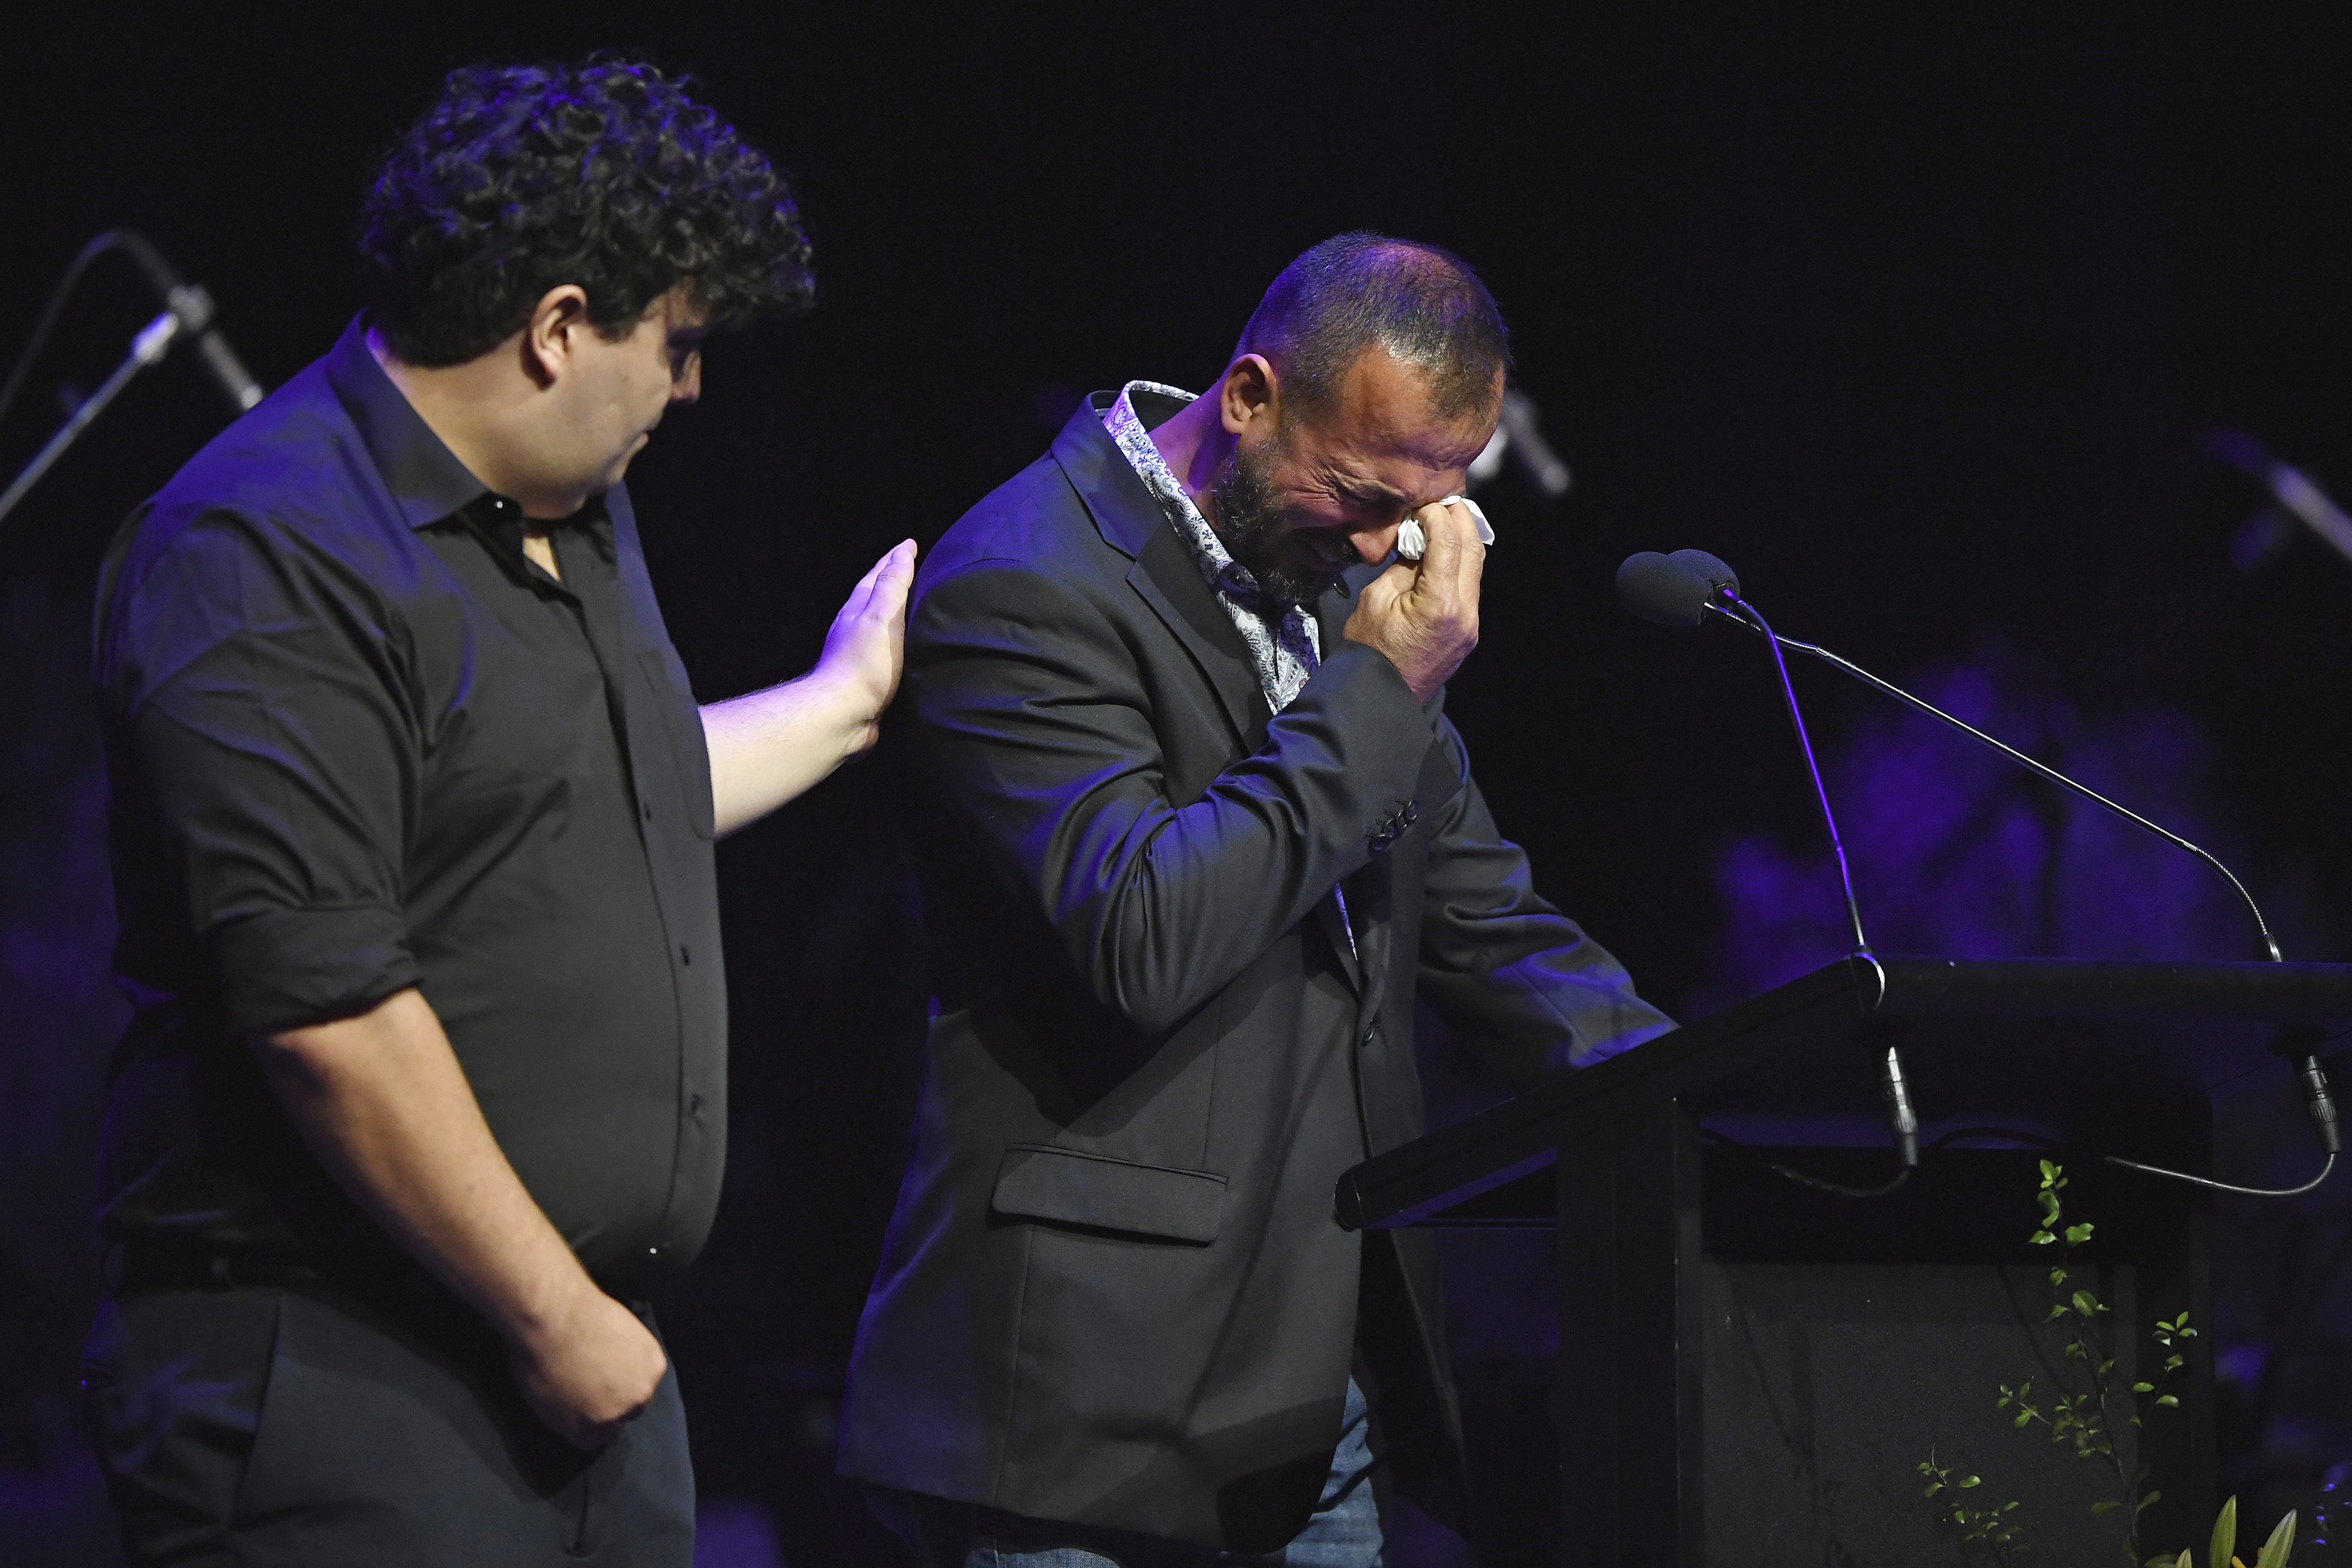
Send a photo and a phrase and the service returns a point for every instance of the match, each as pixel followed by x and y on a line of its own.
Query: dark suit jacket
pixel 1114 1293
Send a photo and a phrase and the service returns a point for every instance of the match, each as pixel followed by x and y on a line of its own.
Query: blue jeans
pixel 1344 1530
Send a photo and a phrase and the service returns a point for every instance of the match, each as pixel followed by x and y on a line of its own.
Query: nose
pixel 687 387
pixel 1373 544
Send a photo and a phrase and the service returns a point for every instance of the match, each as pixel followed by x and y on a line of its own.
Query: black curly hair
pixel 603 173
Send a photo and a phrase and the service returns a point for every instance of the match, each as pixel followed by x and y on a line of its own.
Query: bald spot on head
pixel 1358 291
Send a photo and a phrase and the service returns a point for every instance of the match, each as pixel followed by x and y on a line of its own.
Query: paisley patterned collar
pixel 1285 643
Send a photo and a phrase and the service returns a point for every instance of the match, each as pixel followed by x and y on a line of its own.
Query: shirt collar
pixel 423 475
pixel 1133 439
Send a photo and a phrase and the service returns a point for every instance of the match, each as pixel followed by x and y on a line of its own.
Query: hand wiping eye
pixel 1411 541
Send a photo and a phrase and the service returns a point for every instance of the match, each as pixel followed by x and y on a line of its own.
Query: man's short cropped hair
pixel 603 173
pixel 1354 290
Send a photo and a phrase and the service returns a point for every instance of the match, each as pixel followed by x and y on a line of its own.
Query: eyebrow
pixel 1366 490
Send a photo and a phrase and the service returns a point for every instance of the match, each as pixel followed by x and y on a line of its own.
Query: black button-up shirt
pixel 357 742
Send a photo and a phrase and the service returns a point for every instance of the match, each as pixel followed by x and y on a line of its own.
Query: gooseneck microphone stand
pixel 1690 586
pixel 1893 1087
pixel 1756 628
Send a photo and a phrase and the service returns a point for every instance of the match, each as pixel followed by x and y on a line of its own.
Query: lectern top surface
pixel 2044 1042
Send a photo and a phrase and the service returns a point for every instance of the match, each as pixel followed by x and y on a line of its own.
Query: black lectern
pixel 1750 1370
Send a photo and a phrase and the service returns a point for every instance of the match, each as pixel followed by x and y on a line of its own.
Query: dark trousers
pixel 292 1425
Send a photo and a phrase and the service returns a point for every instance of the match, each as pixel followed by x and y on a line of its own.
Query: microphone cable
pixel 1822 1184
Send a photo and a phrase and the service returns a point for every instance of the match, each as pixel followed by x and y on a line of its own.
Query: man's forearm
pixel 768 746
pixel 381 1100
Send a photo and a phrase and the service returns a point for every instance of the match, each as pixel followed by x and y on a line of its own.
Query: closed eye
pixel 1369 498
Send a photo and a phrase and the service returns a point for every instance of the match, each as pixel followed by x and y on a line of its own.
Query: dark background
pixel 1918 321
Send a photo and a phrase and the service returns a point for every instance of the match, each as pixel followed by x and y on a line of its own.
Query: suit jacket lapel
pixel 1167 578
pixel 1165 574
pixel 1170 581
pixel 1367 891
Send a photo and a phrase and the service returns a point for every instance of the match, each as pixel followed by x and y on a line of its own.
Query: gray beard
pixel 1248 523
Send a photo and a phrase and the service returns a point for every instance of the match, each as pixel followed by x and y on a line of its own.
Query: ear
pixel 1250 392
pixel 552 334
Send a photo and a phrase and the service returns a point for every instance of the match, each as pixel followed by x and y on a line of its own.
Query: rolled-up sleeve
pixel 261 696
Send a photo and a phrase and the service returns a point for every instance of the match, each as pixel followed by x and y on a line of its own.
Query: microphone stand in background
pixel 2294 499
pixel 1519 437
pixel 188 313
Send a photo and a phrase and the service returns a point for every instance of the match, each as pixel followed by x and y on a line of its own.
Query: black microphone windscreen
pixel 1707 569
pixel 1664 589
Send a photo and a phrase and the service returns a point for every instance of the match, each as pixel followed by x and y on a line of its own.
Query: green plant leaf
pixel 2280 1542
pixel 2168 1401
pixel 2105 1505
pixel 1971 1482
pixel 2225 1534
pixel 2143 1388
pixel 2077 1234
pixel 2023 1417
pixel 2057 1277
pixel 2049 1172
pixel 2056 1312
pixel 2041 1239
pixel 2172 1364
pixel 2146 1502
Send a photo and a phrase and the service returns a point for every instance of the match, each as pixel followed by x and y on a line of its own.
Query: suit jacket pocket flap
pixel 1076 1188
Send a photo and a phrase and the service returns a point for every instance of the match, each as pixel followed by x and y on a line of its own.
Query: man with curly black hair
pixel 412 813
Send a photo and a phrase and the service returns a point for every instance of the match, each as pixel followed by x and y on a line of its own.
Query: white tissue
pixel 1411 542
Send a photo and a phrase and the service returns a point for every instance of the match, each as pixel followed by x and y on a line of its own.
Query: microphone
pixel 194 308
pixel 1689 586
pixel 1678 590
